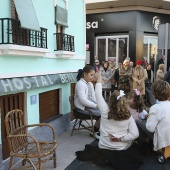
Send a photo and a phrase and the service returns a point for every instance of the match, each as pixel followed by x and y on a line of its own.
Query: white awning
pixel 26 14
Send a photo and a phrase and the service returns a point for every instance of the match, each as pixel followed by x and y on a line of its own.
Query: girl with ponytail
pixel 84 99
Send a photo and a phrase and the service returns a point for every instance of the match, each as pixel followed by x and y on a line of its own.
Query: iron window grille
pixel 64 42
pixel 12 33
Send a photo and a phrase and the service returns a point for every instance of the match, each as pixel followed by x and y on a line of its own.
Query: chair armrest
pixel 45 124
pixel 28 136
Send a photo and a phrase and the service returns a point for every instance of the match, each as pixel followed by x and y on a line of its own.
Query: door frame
pixel 149 37
pixel 117 37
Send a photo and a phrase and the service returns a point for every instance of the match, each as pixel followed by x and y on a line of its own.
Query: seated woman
pixel 117 127
pixel 157 126
pixel 136 105
pixel 84 99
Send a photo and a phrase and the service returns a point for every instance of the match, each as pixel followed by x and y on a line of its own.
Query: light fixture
pixel 97 1
pixel 167 0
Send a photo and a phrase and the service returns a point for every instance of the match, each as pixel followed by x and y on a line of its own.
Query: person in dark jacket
pixel 167 76
pixel 116 75
pixel 161 61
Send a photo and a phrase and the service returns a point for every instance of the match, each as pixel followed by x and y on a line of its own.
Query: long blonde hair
pixel 118 108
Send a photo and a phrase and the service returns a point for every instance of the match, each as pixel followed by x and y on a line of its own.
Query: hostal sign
pixel 12 85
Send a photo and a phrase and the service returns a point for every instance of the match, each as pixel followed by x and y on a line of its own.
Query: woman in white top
pixel 84 99
pixel 117 127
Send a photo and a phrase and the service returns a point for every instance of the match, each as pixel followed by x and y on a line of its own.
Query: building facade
pixel 117 35
pixel 42 45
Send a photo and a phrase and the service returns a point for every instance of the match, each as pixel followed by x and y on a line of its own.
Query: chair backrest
pixel 71 99
pixel 15 125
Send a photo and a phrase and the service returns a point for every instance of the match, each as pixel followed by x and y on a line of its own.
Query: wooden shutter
pixel 8 103
pixel 49 105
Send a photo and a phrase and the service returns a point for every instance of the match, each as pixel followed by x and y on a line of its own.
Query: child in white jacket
pixel 158 121
pixel 117 127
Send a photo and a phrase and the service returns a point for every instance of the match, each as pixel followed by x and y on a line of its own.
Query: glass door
pixel 150 48
pixel 101 49
pixel 112 48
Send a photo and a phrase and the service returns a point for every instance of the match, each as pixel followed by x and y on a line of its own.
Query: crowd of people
pixel 124 117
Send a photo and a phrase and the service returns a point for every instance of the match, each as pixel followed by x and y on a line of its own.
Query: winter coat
pixel 139 74
pixel 159 75
pixel 151 76
pixel 126 73
pixel 106 75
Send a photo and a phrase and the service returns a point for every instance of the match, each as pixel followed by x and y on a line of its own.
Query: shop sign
pixel 12 85
pixel 93 24
pixel 156 22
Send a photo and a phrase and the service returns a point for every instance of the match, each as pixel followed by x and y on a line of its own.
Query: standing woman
pixel 107 75
pixel 160 72
pixel 84 99
pixel 125 82
pixel 139 76
pixel 149 73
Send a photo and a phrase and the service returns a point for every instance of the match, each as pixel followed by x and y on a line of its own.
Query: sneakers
pixel 96 135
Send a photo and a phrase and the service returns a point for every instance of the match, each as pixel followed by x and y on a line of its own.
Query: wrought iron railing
pixel 64 42
pixel 12 33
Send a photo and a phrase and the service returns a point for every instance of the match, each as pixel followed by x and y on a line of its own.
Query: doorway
pixel 112 48
pixel 8 103
pixel 150 47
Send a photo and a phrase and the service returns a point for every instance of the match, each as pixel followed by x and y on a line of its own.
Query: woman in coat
pixel 160 72
pixel 107 75
pixel 149 73
pixel 125 82
pixel 139 76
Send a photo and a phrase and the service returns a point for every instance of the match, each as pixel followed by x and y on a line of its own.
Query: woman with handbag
pixel 139 77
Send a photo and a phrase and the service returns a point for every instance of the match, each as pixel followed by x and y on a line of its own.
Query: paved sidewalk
pixel 67 146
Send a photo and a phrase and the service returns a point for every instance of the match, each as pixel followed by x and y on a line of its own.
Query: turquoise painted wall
pixel 19 64
pixel 33 110
pixel 46 16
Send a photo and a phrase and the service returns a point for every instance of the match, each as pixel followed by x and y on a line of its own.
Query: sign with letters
pixel 18 84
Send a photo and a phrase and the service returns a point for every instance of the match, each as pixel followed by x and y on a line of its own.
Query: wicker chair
pixel 25 146
pixel 79 118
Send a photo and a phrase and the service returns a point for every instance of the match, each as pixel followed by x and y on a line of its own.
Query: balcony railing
pixel 12 33
pixel 64 42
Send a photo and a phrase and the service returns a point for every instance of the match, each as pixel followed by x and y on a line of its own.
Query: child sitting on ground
pixel 136 105
pixel 117 128
pixel 157 125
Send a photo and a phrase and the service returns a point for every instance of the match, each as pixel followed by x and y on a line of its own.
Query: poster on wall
pixel 87 47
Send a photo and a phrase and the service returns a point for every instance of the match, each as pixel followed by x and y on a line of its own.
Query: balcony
pixel 13 37
pixel 11 33
pixel 64 46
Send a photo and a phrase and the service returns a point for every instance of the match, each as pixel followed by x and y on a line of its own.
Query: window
pixel 150 47
pixel 112 48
